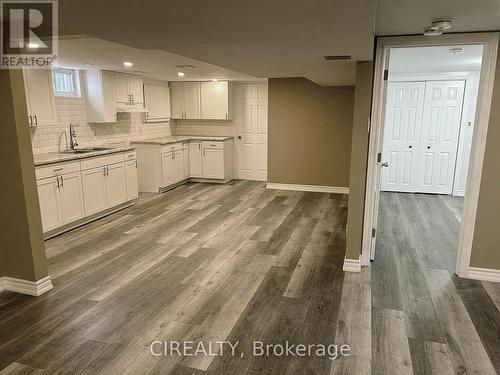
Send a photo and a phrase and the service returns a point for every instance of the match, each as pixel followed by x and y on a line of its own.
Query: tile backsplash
pixel 50 138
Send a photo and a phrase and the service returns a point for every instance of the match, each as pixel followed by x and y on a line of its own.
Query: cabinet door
pixel 213 163
pixel 195 159
pixel 135 89
pixel 121 88
pixel 214 100
pixel 94 190
pixel 40 96
pixel 167 166
pixel 176 99
pixel 178 165
pixel 71 194
pixel 116 190
pixel 131 177
pixel 108 94
pixel 191 100
pixel 50 206
pixel 185 157
pixel 157 102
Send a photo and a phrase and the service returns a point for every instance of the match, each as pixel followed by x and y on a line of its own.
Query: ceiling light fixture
pixel 180 74
pixel 438 26
pixel 128 64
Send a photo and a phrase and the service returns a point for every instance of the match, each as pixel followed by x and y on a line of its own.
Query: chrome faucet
pixel 72 137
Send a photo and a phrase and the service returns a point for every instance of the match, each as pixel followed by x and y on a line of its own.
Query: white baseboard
pixel 484 274
pixel 312 188
pixel 32 288
pixel 352 265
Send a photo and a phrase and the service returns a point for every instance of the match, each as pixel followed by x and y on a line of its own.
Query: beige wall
pixel 22 249
pixel 309 135
pixel 486 243
pixel 359 157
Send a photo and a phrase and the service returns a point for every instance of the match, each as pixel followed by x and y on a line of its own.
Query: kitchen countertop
pixel 57 157
pixel 177 138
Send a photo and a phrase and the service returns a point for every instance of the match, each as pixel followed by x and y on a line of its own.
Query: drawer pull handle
pixel 58 169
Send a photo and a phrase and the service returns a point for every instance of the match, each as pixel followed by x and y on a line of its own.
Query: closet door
pixel 440 131
pixel 403 124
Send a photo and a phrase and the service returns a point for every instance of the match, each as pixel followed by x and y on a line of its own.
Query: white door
pixel 94 190
pixel 439 140
pixel 135 89
pixel 50 207
pixel 195 159
pixel 403 124
pixel 251 131
pixel 215 100
pixel 191 100
pixel 167 166
pixel 39 95
pixel 131 179
pixel 71 197
pixel 176 99
pixel 213 163
pixel 116 191
pixel 121 88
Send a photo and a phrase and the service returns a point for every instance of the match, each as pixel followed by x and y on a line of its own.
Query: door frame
pixel 372 192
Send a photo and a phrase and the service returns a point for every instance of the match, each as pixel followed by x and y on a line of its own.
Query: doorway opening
pixel 429 121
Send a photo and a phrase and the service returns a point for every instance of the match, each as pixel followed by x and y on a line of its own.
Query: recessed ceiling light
pixel 180 74
pixel 128 64
pixel 33 45
pixel 441 24
pixel 456 51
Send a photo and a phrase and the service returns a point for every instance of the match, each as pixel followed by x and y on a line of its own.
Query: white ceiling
pixel 435 59
pixel 278 38
pixel 80 52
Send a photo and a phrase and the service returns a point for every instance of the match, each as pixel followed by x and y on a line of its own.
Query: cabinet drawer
pixel 130 155
pixel 57 169
pixel 171 147
pixel 212 144
pixel 99 161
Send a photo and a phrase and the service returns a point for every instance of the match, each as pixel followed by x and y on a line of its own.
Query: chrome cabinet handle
pixel 57 179
pixel 62 181
pixel 104 170
pixel 136 163
pixel 30 121
pixel 36 120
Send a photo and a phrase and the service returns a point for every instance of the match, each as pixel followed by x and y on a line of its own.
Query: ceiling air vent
pixel 185 66
pixel 338 57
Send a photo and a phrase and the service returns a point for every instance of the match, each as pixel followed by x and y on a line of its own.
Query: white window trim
pixel 76 83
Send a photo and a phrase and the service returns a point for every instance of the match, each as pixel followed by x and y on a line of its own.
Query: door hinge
pixel 386 75
pixel 379 157
pixel 374 232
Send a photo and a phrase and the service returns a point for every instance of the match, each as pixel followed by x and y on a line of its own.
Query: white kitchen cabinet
pixel 179 165
pixel 94 190
pixel 71 197
pixel 167 168
pixel 49 198
pixel 131 179
pixel 195 159
pixel 185 100
pixel 39 97
pixel 100 94
pixel 157 102
pixel 213 163
pixel 116 188
pixel 216 101
pixel 128 89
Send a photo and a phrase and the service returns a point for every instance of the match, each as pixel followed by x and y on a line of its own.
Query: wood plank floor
pixel 241 263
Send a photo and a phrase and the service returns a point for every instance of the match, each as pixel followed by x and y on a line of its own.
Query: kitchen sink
pixel 86 150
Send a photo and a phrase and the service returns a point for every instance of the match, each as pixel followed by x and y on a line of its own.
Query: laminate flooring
pixel 204 263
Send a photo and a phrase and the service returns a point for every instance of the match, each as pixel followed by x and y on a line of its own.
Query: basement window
pixel 66 82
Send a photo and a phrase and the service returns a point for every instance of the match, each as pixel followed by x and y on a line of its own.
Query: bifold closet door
pixel 403 124
pixel 442 116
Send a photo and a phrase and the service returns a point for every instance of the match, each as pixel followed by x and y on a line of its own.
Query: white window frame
pixel 75 76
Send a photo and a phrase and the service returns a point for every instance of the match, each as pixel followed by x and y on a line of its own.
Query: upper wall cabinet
pixel 157 102
pixel 100 93
pixel 201 100
pixel 39 97
pixel 216 101
pixel 128 89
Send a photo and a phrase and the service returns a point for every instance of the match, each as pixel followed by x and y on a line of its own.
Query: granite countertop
pixel 58 157
pixel 177 138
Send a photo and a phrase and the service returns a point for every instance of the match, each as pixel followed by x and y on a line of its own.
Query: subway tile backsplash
pixel 53 138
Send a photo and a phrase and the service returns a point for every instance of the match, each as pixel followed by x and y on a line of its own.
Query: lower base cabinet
pixel 71 191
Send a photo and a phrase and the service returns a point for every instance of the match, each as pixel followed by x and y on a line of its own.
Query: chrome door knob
pixel 386 164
